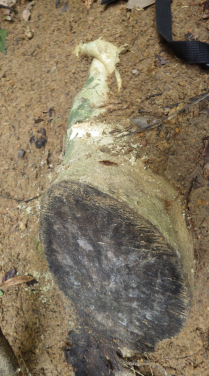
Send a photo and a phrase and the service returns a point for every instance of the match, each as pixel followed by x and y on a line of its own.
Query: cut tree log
pixel 115 240
pixel 8 362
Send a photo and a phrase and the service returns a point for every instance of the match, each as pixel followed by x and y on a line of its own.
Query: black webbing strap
pixel 193 52
pixel 108 1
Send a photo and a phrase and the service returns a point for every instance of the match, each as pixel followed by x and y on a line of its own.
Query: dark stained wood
pixel 125 281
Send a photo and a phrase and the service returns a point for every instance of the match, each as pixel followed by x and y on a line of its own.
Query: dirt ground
pixel 39 78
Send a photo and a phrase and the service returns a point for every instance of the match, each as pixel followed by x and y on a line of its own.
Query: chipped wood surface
pixel 8 362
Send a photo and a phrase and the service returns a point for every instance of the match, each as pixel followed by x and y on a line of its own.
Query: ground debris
pixel 16 281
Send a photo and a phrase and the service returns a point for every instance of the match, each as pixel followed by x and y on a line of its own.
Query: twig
pixel 5 7
pixel 203 345
pixel 149 364
pixel 133 369
pixel 205 96
pixel 112 106
pixel 189 190
pixel 159 122
pixel 146 363
pixel 184 6
pixel 150 112
pixel 135 38
pixel 152 96
pixel 20 200
pixel 26 368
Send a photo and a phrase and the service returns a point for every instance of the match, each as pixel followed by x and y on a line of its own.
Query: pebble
pixel 64 8
pixel 26 15
pixel 140 122
pixel 21 153
pixel 29 32
pixel 135 71
pixel 22 226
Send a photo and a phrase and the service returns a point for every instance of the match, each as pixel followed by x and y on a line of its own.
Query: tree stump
pixel 118 246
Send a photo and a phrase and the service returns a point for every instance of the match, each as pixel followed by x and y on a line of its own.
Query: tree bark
pixel 117 244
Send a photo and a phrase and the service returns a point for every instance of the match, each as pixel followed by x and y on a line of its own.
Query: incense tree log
pixel 8 362
pixel 117 244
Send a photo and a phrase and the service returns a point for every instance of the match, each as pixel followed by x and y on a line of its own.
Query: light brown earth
pixel 42 73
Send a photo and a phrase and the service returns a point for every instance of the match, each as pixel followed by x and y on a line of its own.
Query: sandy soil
pixel 39 78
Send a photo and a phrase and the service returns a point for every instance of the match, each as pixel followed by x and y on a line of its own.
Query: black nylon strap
pixel 193 52
pixel 108 1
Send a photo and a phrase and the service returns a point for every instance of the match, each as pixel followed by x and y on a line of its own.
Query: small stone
pixel 143 143
pixel 22 226
pixel 26 14
pixel 21 153
pixel 29 32
pixel 135 71
pixel 205 15
pixel 23 222
pixel 64 8
pixel 141 122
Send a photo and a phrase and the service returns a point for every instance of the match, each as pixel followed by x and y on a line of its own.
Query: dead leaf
pixel 108 163
pixel 17 280
pixel 27 11
pixel 26 14
pixel 8 275
pixel 140 4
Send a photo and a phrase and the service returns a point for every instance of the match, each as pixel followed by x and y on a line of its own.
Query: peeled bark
pixel 8 362
pixel 117 244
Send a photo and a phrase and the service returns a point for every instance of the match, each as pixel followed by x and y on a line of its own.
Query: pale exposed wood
pixel 115 240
